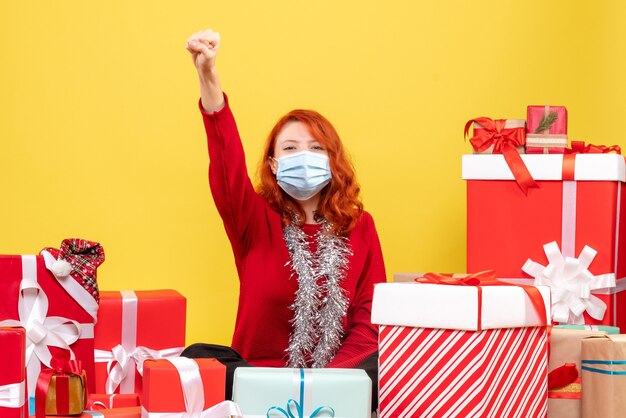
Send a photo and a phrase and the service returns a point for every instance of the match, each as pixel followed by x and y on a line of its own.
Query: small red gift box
pixel 134 326
pixel 546 130
pixel 57 308
pixel 61 390
pixel 568 233
pixel 13 373
pixel 98 401
pixel 170 385
pixel 461 350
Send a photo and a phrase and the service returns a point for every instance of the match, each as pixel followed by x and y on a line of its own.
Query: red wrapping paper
pixel 162 390
pixel 505 228
pixel 534 114
pixel 60 303
pixel 161 316
pixel 12 367
pixel 98 401
pixel 128 412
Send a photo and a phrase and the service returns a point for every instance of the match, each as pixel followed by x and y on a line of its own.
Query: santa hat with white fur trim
pixel 80 259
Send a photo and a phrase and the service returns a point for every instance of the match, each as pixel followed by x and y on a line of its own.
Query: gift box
pixel 265 391
pixel 52 305
pixel 61 390
pixel 487 134
pixel 134 326
pixel 546 120
pixel 546 130
pixel 604 376
pixel 463 349
pixel 566 233
pixel 565 348
pixel 494 137
pixel 603 328
pixel 128 412
pixel 98 401
pixel 13 373
pixel 188 387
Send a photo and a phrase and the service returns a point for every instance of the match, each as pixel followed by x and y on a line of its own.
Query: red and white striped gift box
pixel 460 351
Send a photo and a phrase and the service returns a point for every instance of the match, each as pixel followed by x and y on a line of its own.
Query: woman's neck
pixel 309 207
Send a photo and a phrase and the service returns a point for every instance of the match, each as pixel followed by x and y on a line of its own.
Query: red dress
pixel 266 288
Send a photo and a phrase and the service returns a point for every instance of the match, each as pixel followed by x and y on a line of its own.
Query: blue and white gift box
pixel 263 392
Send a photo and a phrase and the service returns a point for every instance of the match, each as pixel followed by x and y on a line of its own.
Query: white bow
pixel 41 331
pixel 571 284
pixel 12 395
pixel 193 394
pixel 121 363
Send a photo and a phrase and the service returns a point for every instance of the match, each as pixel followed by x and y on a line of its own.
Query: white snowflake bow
pixel 571 284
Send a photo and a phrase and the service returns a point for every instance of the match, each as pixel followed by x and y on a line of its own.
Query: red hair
pixel 339 200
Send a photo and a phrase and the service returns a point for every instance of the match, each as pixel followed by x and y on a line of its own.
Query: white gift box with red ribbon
pixel 461 350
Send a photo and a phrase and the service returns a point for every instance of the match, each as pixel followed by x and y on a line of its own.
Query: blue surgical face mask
pixel 302 175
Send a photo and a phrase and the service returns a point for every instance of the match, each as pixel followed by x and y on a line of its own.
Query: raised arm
pixel 203 48
pixel 231 187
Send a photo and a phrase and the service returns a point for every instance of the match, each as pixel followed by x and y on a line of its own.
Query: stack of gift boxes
pixel 540 216
pixel 69 350
pixel 531 330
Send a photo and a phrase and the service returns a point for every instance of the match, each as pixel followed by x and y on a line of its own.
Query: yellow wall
pixel 101 137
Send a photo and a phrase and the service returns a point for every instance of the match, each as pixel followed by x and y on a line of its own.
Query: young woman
pixel 306 252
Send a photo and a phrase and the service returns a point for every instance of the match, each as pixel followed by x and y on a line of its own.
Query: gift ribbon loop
pixel 299 406
pixel 571 284
pixel 505 142
pixel 13 395
pixel 579 147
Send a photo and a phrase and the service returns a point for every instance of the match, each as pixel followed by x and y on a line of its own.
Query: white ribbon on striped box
pixel 43 331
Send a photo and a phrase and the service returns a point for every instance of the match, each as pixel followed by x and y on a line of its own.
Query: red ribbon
pixel 579 147
pixel 562 376
pixel 62 368
pixel 505 142
pixel 487 278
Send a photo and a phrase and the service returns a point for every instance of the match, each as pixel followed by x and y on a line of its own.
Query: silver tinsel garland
pixel 317 322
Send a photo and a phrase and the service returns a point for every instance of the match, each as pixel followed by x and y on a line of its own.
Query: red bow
pixel 487 278
pixel 579 147
pixel 62 368
pixel 504 141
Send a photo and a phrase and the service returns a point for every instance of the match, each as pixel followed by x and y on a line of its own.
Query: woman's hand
pixel 202 47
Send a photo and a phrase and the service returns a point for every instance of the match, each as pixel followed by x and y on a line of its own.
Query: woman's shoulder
pixel 365 227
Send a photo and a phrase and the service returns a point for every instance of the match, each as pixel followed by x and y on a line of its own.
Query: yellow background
pixel 101 137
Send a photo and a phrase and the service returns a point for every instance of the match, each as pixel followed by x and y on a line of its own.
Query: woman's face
pixel 294 137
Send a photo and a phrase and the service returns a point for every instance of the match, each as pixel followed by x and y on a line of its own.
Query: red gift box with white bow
pixel 57 312
pixel 567 233
pixel 134 326
pixel 13 403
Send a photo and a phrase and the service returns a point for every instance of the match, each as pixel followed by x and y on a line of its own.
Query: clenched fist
pixel 203 47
